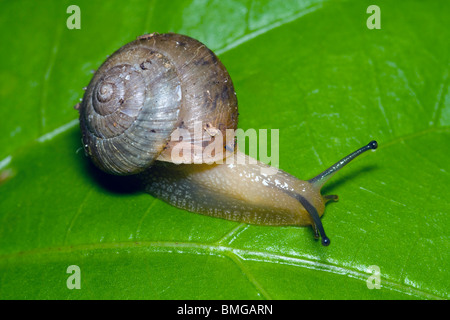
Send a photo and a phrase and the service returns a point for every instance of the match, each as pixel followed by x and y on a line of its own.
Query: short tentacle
pixel 331 197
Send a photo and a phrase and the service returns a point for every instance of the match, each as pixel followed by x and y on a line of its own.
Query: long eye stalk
pixel 316 219
pixel 322 178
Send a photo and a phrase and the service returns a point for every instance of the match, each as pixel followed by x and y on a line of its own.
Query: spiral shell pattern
pixel 143 92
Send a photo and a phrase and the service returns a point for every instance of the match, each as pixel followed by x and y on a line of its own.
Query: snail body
pixel 148 91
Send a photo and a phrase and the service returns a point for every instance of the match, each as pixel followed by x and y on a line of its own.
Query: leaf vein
pixel 224 251
pixel 257 32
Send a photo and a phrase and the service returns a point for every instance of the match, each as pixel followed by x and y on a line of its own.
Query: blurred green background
pixel 311 69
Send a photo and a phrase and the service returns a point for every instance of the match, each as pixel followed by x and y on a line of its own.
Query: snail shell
pixel 146 90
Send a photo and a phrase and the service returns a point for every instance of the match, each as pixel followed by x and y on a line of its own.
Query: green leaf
pixel 311 69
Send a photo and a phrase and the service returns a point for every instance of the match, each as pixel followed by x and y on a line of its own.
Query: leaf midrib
pixel 224 251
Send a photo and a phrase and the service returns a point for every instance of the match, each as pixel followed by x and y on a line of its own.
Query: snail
pixel 159 85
